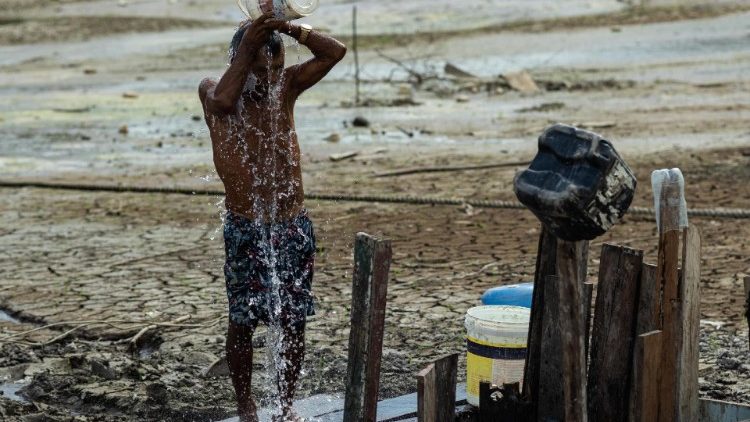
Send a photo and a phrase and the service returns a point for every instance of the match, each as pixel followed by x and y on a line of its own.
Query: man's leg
pixel 292 354
pixel 240 360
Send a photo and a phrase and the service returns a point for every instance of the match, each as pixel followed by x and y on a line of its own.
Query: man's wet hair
pixel 274 44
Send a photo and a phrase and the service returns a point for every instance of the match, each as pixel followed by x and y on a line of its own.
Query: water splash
pixel 271 188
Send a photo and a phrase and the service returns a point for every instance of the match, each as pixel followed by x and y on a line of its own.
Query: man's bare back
pixel 255 146
pixel 257 157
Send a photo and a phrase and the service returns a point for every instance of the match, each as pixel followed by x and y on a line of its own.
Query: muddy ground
pixel 669 92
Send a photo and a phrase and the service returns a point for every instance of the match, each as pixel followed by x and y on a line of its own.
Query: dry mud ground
pixel 670 92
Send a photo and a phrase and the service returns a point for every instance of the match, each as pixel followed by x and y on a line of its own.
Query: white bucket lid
pixel 499 324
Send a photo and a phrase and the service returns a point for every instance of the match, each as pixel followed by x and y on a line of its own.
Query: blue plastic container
pixel 512 295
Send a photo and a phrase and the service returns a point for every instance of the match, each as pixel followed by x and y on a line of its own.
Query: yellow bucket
pixel 495 346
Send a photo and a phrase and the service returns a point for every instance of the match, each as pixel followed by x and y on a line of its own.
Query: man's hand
pixel 257 35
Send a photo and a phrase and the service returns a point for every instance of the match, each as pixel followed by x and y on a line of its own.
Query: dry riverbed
pixel 105 106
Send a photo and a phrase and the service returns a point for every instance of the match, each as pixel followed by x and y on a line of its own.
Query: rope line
pixel 738 213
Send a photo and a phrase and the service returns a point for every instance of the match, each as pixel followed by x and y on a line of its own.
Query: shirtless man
pixel 269 239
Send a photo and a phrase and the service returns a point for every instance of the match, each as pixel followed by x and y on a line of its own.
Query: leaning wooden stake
pixel 667 278
pixel 372 260
pixel 545 267
pixel 678 383
pixel 644 393
pixel 690 301
pixel 644 387
pixel 571 269
pixel 436 391
pixel 614 330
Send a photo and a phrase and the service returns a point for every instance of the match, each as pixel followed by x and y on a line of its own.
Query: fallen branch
pixel 145 326
pixel 419 77
pixel 449 169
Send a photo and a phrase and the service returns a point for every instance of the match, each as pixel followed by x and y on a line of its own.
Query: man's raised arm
pixel 327 51
pixel 221 98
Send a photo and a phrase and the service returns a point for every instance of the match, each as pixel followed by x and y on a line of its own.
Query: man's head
pixel 268 63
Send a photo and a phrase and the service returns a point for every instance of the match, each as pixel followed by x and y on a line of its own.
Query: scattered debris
pixel 521 82
pixel 89 71
pixel 73 110
pixel 360 121
pixel 123 130
pixel 469 210
pixel 333 138
pixel 543 107
pixel 597 125
pixel 219 368
pixel 343 156
pixel 129 95
pixel 453 70
pixel 405 90
pixel 408 133
pixel 462 99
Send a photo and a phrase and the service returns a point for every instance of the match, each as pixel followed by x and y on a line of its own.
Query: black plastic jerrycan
pixel 577 184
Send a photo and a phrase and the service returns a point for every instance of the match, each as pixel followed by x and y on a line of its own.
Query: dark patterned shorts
pixel 269 270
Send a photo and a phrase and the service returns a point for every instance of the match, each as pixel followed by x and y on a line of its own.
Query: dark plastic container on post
pixel 577 184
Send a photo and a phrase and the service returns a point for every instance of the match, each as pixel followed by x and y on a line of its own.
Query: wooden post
pixel 747 304
pixel 560 348
pixel 613 334
pixel 356 56
pixel 545 267
pixel 644 385
pixel 436 391
pixel 649 302
pixel 550 399
pixel 667 278
pixel 572 260
pixel 588 295
pixel 644 392
pixel 372 260
pixel 689 317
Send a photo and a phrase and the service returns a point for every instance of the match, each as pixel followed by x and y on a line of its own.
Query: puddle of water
pixel 10 390
pixel 5 317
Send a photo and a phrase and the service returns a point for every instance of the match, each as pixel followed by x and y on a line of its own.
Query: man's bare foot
pixel 249 416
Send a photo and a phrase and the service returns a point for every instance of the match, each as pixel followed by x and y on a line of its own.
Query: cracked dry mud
pixel 76 256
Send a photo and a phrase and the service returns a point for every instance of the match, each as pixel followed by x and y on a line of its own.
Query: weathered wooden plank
pixel 667 277
pixel 372 258
pixel 436 387
pixel 649 301
pixel 614 330
pixel 427 395
pixel 572 258
pixel 690 319
pixel 550 398
pixel 545 266
pixel 588 294
pixel 644 389
pixel 446 371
